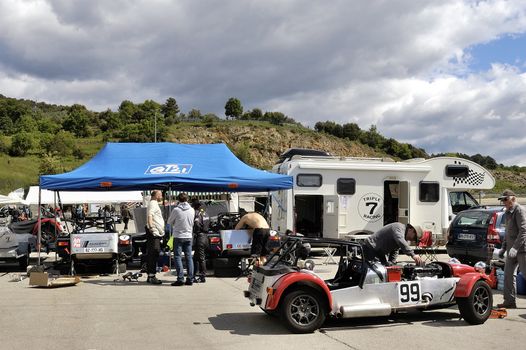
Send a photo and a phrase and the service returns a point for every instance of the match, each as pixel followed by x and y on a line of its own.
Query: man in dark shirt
pixel 388 240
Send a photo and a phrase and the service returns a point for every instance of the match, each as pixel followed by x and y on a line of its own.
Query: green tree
pixel 77 121
pixel 47 124
pixel 351 131
pixel 170 111
pixel 27 124
pixel 233 108
pixel 372 138
pixel 194 115
pixel 61 143
pixel 109 121
pixel 49 165
pixel 21 143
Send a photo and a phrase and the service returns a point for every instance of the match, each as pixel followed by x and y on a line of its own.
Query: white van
pixel 335 197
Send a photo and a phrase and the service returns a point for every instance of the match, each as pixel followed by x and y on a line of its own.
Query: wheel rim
pixel 481 300
pixel 304 310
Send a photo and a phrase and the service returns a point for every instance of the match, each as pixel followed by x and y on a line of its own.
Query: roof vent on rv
pixel 291 152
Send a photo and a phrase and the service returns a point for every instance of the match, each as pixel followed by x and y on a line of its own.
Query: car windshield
pixel 473 219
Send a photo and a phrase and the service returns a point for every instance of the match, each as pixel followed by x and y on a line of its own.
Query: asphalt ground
pixel 105 312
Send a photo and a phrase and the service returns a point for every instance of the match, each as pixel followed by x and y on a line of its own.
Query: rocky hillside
pixel 260 144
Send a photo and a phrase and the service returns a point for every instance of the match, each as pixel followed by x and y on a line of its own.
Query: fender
pixel 466 282
pixel 51 221
pixel 296 277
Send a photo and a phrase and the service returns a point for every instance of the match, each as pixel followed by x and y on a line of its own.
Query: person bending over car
pixel 388 240
pixel 515 244
pixel 256 223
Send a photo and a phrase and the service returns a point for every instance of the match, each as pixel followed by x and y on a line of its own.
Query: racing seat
pixel 427 247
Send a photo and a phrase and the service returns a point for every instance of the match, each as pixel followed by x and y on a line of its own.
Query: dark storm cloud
pixel 400 65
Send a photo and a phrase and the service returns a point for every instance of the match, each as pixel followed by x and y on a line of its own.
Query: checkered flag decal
pixel 473 179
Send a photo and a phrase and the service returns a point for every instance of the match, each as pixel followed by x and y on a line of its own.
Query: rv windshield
pixel 462 201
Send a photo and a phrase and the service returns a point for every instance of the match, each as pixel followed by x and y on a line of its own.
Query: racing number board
pixel 409 293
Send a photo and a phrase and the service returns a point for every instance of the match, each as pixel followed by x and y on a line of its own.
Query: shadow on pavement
pixel 248 324
pixel 433 318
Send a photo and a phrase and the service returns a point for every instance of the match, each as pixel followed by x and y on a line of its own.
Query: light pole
pixel 155 126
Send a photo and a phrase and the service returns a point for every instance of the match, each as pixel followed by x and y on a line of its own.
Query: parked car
pixel 476 235
pixel 361 288
pixel 95 241
pixel 16 247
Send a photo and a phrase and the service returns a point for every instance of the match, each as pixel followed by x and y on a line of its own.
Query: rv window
pixel 308 180
pixel 429 191
pixel 457 170
pixel 346 186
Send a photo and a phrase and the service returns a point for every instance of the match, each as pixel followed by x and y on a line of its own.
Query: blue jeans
pixel 183 245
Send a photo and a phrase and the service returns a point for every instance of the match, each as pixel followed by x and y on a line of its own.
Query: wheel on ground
pixel 303 311
pixel 476 308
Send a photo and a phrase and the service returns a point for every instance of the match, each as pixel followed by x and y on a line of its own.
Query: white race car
pixel 360 288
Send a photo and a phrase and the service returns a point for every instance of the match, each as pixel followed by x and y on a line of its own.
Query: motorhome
pixel 336 197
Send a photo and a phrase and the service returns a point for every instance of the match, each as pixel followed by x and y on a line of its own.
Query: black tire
pixel 476 308
pixel 303 310
pixel 227 272
pixel 221 263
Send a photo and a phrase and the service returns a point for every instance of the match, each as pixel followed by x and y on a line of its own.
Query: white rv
pixel 337 197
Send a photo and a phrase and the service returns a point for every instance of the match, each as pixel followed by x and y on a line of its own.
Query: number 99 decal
pixel 409 293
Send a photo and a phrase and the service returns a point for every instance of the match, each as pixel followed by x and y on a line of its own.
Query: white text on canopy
pixel 171 169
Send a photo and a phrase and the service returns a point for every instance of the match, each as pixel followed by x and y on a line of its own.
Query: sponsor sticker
pixel 168 169
pixel 370 207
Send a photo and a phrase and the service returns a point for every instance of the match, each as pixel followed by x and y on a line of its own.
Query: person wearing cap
pixel 388 240
pixel 514 245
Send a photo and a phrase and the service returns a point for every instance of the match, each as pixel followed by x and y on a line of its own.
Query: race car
pixel 361 288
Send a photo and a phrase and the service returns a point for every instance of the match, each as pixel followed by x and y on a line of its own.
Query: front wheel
pixel 303 311
pixel 476 308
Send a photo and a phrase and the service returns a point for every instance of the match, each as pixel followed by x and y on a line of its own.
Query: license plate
pixel 466 236
pixel 94 250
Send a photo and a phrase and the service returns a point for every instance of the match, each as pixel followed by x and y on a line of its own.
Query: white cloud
pixel 402 65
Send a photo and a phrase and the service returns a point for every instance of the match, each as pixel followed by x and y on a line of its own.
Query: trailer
pixel 342 197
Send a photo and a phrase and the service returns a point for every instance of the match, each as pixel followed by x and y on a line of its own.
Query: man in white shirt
pixel 154 233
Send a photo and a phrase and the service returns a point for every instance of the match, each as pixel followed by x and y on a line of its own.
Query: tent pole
pixel 39 221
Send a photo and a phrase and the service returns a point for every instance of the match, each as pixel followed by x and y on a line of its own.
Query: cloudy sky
pixel 447 76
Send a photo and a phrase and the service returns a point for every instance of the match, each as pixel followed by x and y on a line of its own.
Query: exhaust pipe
pixel 351 311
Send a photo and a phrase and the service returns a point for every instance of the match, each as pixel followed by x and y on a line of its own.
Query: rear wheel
pixel 476 308
pixel 303 311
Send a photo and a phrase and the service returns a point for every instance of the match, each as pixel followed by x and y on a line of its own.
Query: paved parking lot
pixel 99 313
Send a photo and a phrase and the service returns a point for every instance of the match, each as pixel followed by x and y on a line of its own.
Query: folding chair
pixel 427 247
pixel 329 255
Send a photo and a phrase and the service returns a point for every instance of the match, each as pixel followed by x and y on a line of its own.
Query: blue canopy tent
pixel 165 166
pixel 146 166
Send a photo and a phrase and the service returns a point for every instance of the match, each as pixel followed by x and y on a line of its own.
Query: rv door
pixel 403 202
pixel 330 216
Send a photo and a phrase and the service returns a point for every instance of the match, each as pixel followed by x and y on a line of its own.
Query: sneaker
pixel 196 280
pixel 507 305
pixel 177 283
pixel 202 279
pixel 188 282
pixel 153 280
